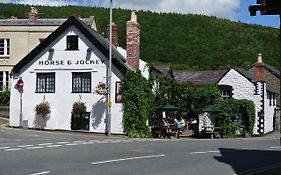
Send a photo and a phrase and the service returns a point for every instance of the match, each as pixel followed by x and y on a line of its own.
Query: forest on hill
pixel 194 42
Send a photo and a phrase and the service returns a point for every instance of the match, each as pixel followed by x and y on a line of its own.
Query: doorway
pixel 80 121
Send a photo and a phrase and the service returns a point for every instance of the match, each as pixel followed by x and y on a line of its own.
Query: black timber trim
pixel 96 39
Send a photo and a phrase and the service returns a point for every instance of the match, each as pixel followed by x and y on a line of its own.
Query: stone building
pixel 272 79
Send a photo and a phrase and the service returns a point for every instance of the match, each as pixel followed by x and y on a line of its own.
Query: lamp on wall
pixel 89 50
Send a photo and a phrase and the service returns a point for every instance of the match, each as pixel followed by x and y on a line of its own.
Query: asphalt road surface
pixel 31 152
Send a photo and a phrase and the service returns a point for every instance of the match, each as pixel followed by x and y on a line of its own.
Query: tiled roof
pixel 198 77
pixel 40 22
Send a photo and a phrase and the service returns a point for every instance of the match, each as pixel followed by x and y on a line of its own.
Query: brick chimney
pixel 259 67
pixel 133 41
pixel 33 14
pixel 114 34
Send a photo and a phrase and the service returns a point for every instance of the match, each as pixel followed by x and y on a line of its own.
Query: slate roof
pixel 271 69
pixel 252 79
pixel 164 70
pixel 198 77
pixel 40 22
pixel 95 38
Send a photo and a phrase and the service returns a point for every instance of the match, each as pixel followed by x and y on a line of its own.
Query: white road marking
pixel 5 147
pixel 129 158
pixel 44 172
pixel 275 147
pixel 13 149
pixel 87 143
pixel 53 146
pixel 35 147
pixel 62 142
pixel 78 141
pixel 44 144
pixel 198 152
pixel 213 151
pixel 24 146
pixel 72 144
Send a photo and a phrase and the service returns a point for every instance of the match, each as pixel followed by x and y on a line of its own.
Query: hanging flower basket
pixel 43 109
pixel 101 89
pixel 78 107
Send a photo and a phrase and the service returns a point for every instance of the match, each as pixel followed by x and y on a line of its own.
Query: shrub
pixel 78 107
pixel 43 109
pixel 5 98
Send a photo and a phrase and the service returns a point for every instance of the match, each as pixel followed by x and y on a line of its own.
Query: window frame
pixel 46 83
pixel 87 76
pixel 226 91
pixel 118 92
pixel 72 42
pixel 6 48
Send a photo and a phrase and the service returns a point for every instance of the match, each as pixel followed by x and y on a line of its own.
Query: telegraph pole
pixel 109 103
pixel 270 7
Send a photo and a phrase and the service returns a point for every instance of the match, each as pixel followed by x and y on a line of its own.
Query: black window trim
pixel 72 87
pixel 36 89
pixel 76 48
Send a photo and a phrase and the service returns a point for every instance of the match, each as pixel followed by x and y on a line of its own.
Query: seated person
pixel 178 127
pixel 183 123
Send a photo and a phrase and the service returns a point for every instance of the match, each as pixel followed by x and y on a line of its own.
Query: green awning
pixel 167 107
pixel 211 109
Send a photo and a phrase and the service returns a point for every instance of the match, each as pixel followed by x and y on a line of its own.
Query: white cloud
pixel 219 8
pixel 5 1
pixel 48 2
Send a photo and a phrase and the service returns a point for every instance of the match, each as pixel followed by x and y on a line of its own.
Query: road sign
pixel 20 85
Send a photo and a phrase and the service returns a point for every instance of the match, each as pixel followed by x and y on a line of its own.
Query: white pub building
pixel 66 68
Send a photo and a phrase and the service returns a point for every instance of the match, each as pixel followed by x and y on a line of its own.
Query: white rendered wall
pixel 242 89
pixel 61 101
pixel 268 113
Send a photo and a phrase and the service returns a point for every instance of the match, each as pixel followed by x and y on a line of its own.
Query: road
pixel 32 152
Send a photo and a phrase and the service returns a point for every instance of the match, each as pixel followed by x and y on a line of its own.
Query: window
pixel 45 83
pixel 4 80
pixel 118 92
pixel 269 97
pixel 4 47
pixel 273 98
pixel 81 82
pixel 226 91
pixel 72 42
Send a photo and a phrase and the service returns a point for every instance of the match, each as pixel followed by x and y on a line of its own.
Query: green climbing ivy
pixel 137 103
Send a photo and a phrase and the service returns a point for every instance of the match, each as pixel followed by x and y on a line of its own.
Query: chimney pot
pixel 33 14
pixel 259 58
pixel 259 69
pixel 134 16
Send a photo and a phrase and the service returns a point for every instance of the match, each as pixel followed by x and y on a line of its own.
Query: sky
pixel 235 10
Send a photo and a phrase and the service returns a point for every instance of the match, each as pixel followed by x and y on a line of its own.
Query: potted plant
pixel 78 107
pixel 101 89
pixel 43 109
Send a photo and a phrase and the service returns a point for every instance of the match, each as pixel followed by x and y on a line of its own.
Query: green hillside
pixel 184 41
